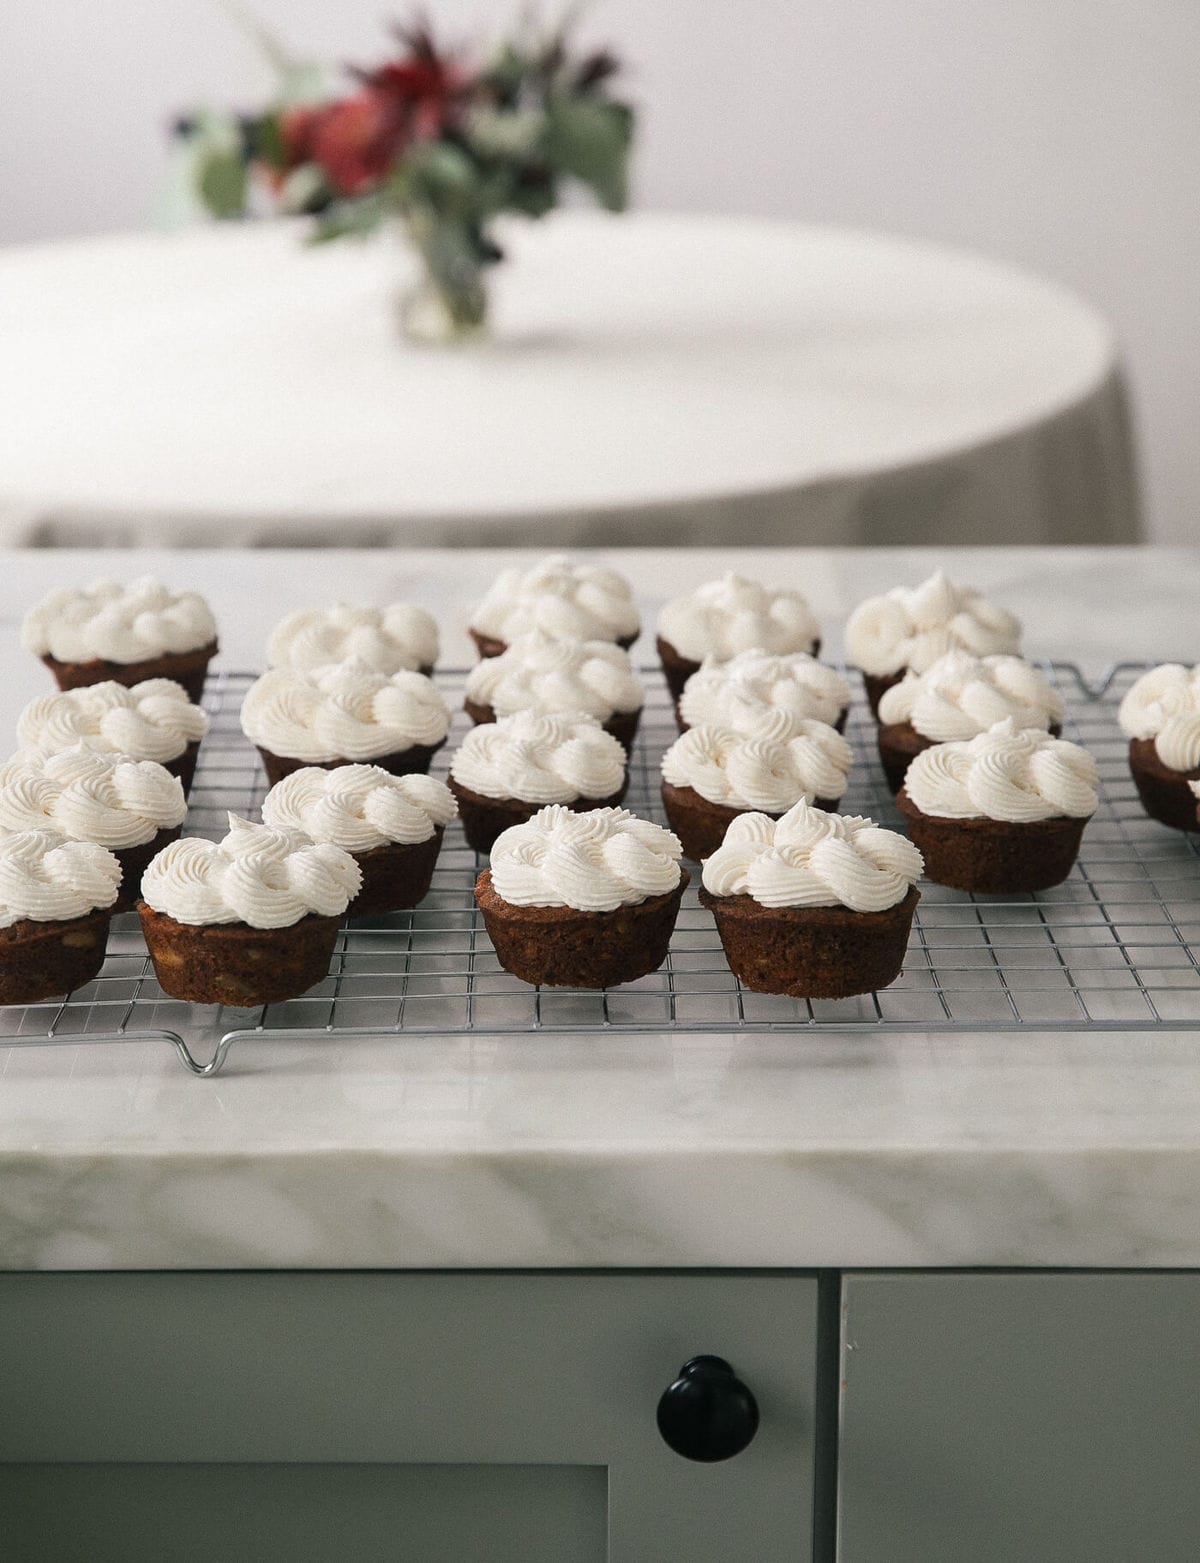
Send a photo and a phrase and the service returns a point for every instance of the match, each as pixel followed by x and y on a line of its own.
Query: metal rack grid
pixel 1113 947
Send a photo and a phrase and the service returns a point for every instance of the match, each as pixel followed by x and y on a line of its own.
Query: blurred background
pixel 1062 136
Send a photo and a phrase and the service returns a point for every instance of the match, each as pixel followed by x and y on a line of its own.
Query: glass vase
pixel 447 302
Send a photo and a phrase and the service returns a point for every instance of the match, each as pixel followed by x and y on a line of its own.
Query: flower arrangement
pixel 431 140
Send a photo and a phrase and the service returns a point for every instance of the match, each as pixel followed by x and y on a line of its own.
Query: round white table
pixel 655 379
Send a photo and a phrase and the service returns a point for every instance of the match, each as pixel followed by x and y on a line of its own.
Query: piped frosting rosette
pixel 813 858
pixel 735 614
pixel 46 878
pixel 540 759
pixel 961 695
pixel 911 627
pixel 594 862
pixel 561 600
pixel 1164 705
pixel 1010 774
pixel 743 693
pixel 257 875
pixel 359 807
pixel 555 677
pixel 787 760
pixel 400 637
pixel 88 795
pixel 343 711
pixel 153 720
pixel 110 622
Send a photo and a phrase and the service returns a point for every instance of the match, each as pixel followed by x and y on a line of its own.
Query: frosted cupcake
pixel 131 807
pixel 391 825
pixel 342 714
pixel 711 775
pixel 958 698
pixel 1161 718
pixel 728 616
pixel 395 639
pixel 582 900
pixel 557 678
pixel 56 899
pixel 911 627
pixel 817 905
pixel 130 633
pixel 1001 813
pixel 556 598
pixel 742 693
pixel 154 720
pixel 249 920
pixel 505 771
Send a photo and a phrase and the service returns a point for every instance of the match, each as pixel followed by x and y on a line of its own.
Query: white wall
pixel 1063 134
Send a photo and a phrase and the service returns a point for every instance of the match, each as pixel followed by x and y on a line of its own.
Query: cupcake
pixel 56 899
pixel 145 630
pixel 559 599
pixel 392 826
pixel 557 678
pixel 959 697
pixel 505 771
pixel 1161 718
pixel 722 618
pixel 911 627
pixel 249 920
pixel 344 714
pixel 1001 813
pixel 154 720
pixel 131 807
pixel 582 900
pixel 711 775
pixel 395 639
pixel 814 904
pixel 741 693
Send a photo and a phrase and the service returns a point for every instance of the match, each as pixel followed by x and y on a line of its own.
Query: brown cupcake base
pixel 677 669
pixel 558 947
pixel 900 744
pixel 993 857
pixel 184 766
pixel 812 952
pixel 484 818
pixel 877 685
pixel 1165 793
pixel 188 668
pixel 623 725
pixel 44 960
pixel 134 862
pixel 405 762
pixel 232 963
pixel 701 824
pixel 395 876
pixel 489 646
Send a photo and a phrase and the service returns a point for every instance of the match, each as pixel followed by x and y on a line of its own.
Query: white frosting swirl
pixel 960 695
pixel 809 759
pixel 744 692
pixel 553 676
pixel 734 614
pixel 593 862
pixel 540 759
pixel 1164 704
pixel 563 600
pixel 398 637
pixel 1005 774
pixel 257 875
pixel 113 623
pixel 90 796
pixel 343 712
pixel 153 720
pixel 811 858
pixel 358 807
pixel 48 879
pixel 911 627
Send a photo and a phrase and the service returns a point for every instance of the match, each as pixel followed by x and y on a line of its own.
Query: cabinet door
pixel 1021 1419
pixel 444 1417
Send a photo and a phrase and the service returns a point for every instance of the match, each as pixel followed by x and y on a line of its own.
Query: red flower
pixel 296 127
pixel 356 140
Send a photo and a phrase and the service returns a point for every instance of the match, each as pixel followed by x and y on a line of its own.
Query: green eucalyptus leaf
pixel 222 184
pixel 349 219
pixel 589 139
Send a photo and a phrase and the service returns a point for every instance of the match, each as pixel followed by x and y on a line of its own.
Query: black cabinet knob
pixel 707 1413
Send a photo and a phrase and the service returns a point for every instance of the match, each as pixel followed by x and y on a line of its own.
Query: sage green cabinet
pixel 445 1417
pixel 1035 1418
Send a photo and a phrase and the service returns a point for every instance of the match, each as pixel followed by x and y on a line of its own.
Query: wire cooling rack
pixel 1113 947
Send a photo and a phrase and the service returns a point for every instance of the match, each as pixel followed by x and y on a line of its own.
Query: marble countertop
pixel 813 1149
